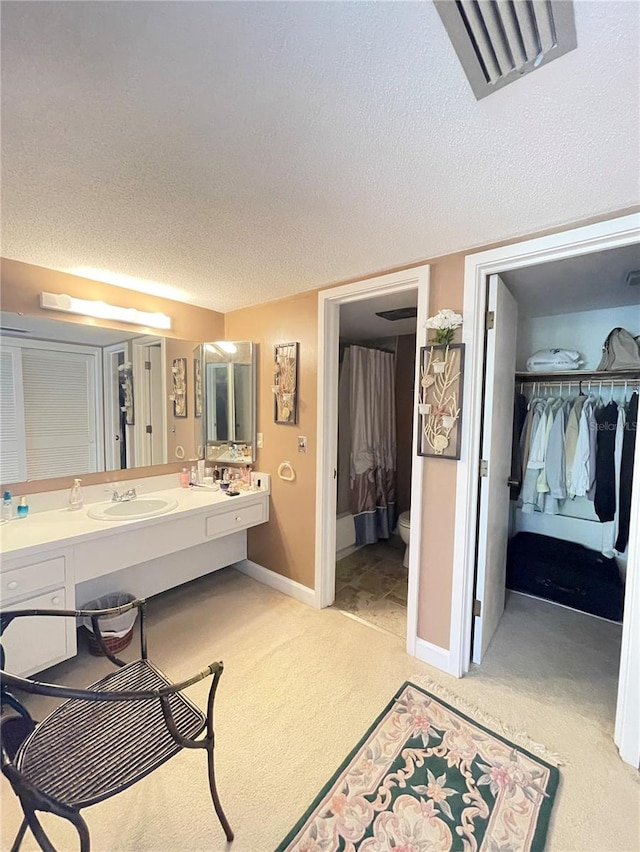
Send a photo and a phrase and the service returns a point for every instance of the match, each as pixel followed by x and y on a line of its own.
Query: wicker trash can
pixel 116 630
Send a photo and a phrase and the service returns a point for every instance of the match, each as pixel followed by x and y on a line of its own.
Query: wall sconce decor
pixel 179 395
pixel 440 400
pixel 125 391
pixel 285 383
pixel 197 387
pixel 102 310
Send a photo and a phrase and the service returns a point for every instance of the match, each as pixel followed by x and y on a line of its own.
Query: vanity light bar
pixel 102 310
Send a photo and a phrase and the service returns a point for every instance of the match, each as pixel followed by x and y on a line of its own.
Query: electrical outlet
pixel 259 443
pixel 302 443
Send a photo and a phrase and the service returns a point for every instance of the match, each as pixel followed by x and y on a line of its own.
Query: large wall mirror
pixel 229 400
pixel 78 399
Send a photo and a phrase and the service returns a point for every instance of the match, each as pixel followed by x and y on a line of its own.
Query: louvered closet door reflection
pixel 12 452
pixel 60 412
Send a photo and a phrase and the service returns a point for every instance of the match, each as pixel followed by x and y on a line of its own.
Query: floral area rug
pixel 426 778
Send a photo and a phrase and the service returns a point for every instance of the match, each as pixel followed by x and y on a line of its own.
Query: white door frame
pixel 614 233
pixel 329 302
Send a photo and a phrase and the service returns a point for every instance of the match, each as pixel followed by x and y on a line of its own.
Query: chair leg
pixel 20 835
pixel 45 844
pixel 214 795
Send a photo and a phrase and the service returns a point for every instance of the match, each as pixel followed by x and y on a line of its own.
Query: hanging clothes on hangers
pixel 626 473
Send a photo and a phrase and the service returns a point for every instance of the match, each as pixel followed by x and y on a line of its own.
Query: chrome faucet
pixel 123 496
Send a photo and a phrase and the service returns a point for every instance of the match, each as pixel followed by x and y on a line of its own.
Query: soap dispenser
pixel 75 495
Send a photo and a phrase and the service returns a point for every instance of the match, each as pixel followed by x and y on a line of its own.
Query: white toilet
pixel 404 528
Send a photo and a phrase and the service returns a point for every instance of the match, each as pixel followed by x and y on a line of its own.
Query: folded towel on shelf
pixel 551 360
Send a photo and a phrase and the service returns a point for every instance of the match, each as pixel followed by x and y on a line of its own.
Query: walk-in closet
pixel 574 433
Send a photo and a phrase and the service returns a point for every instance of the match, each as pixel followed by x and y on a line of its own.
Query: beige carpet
pixel 300 688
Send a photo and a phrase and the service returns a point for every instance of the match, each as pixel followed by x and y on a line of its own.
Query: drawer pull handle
pixel 238 518
pixel 12 585
pixel 55 599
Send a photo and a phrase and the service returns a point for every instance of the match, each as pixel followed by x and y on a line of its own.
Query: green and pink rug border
pixel 544 815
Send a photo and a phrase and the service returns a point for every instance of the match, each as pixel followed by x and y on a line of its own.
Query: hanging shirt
pixel 580 470
pixel 610 528
pixel 571 438
pixel 626 474
pixel 604 501
pixel 535 458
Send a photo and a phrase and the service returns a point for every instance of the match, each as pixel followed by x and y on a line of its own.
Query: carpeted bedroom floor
pixel 301 686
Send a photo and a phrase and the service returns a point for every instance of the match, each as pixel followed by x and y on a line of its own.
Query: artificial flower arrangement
pixel 444 323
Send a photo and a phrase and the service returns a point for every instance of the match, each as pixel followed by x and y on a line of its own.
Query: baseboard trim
pixel 433 655
pixel 276 581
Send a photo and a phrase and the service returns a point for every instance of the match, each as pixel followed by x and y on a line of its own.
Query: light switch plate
pixel 302 443
pixel 259 443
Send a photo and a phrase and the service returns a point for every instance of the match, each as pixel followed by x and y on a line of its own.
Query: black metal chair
pixel 102 739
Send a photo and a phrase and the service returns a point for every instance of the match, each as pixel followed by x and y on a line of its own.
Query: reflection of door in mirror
pixel 118 407
pixel 218 412
pixel 148 377
pixel 242 400
pixel 56 388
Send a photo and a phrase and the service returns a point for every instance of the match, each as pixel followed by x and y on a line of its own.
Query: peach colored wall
pixel 22 284
pixel 287 543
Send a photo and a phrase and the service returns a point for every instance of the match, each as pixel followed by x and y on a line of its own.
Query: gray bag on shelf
pixel 621 351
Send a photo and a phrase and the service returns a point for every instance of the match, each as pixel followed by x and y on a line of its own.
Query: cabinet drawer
pixel 31 578
pixel 32 644
pixel 243 517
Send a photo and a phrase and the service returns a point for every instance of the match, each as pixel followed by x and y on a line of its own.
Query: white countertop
pixel 39 530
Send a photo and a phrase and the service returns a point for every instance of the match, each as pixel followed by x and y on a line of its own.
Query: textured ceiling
pixel 239 152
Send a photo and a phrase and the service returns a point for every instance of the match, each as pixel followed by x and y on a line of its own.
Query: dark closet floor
pixel 371 583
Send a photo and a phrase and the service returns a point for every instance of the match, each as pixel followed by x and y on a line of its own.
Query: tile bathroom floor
pixel 371 583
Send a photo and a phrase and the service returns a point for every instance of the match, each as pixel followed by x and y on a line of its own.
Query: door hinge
pixel 491 318
pixel 484 467
pixel 149 430
pixel 147 365
pixel 477 608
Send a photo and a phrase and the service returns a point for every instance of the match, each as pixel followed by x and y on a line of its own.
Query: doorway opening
pixel 366 577
pixel 377 350
pixel 484 523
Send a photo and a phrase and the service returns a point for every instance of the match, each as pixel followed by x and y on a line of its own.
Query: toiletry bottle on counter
pixel 7 506
pixel 23 508
pixel 75 496
pixel 193 476
pixel 184 478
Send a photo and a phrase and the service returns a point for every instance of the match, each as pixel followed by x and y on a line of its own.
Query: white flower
pixel 446 318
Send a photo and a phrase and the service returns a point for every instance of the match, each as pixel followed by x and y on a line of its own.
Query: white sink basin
pixel 131 510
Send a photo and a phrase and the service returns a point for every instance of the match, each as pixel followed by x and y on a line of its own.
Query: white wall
pixel 584 331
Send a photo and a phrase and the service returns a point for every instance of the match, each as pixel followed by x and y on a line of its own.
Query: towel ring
pixel 286 472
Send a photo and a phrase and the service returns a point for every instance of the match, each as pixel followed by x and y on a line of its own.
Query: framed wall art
pixel 440 400
pixel 285 383
pixel 179 395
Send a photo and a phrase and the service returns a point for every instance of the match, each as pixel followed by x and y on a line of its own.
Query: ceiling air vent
pixel 498 41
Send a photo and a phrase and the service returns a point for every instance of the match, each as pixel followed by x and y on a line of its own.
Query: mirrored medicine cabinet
pixel 228 432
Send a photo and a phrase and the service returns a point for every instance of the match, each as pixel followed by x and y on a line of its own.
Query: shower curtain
pixel 372 415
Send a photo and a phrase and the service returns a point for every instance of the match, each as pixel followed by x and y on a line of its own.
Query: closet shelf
pixel 580 376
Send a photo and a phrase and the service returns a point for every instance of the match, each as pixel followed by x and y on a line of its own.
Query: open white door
pixel 493 517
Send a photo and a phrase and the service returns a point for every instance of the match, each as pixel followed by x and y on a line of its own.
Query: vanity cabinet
pixel 32 644
pixel 89 558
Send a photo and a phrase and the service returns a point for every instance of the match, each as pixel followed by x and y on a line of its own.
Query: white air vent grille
pixel 498 41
